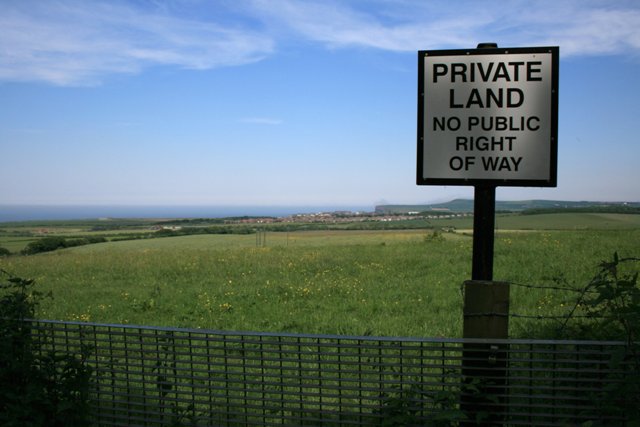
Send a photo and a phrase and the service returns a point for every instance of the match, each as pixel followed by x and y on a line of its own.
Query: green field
pixel 404 282
pixel 16 236
pixel 557 221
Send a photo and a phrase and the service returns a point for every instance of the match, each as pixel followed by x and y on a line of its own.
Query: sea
pixel 12 213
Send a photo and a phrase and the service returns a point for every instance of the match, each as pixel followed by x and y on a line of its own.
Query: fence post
pixel 484 365
pixel 486 309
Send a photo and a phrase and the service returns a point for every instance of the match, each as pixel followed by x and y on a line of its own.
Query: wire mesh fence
pixel 147 376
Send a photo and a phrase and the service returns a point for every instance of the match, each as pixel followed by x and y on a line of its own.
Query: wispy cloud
pixel 600 30
pixel 72 42
pixel 340 24
pixel 580 27
pixel 81 42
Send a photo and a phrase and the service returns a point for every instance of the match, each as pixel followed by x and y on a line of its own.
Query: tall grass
pixel 361 283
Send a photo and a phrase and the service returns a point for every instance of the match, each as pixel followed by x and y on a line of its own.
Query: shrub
pixel 609 308
pixel 45 244
pixel 70 243
pixel 37 387
pixel 48 244
pixel 95 239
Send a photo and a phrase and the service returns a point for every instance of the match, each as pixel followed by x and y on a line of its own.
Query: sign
pixel 488 116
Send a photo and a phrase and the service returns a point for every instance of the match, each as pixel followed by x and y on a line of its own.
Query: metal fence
pixel 150 376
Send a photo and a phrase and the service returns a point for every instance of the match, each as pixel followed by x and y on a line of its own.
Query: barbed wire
pixel 554 288
pixel 576 309
pixel 549 287
pixel 521 316
pixel 543 316
pixel 583 290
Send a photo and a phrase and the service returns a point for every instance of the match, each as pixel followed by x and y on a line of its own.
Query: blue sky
pixel 284 102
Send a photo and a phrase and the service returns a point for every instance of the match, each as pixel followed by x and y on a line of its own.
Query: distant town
pixel 458 208
pixel 347 217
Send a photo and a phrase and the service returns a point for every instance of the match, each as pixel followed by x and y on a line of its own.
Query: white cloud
pixel 579 27
pixel 598 31
pixel 79 42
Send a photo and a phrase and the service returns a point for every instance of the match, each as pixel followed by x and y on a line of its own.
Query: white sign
pixel 488 115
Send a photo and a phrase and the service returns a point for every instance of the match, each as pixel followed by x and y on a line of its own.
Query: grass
pixel 206 282
pixel 569 221
pixel 396 283
pixel 556 221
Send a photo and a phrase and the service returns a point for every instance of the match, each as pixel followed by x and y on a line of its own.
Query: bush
pixel 608 308
pixel 4 251
pixel 70 243
pixel 95 239
pixel 48 244
pixel 37 387
pixel 45 244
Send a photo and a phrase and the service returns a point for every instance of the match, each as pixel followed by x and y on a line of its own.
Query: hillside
pixel 466 205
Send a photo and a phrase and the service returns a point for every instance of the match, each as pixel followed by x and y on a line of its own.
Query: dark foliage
pixel 48 244
pixel 38 387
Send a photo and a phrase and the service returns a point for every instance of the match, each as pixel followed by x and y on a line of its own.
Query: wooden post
pixel 484 220
pixel 486 315
pixel 486 309
pixel 484 365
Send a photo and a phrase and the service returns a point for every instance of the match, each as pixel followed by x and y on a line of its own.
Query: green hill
pixel 536 206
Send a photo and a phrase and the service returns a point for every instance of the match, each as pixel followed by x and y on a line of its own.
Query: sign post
pixel 487 117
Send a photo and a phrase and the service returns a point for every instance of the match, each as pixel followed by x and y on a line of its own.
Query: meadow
pixel 381 283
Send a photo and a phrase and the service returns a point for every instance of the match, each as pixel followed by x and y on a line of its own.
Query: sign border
pixel 553 145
